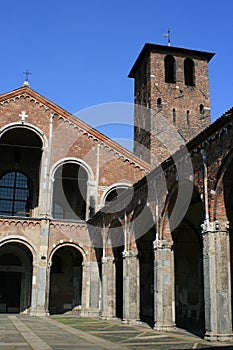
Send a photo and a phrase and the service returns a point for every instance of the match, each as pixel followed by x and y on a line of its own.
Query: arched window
pixel 115 192
pixel 170 69
pixel 201 107
pixel 15 194
pixel 189 72
pixel 188 117
pixel 159 103
pixel 174 116
pixel 70 192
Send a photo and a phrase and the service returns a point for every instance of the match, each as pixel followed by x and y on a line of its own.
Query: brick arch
pixel 113 187
pixel 66 244
pixel 74 160
pixel 20 240
pixel 27 126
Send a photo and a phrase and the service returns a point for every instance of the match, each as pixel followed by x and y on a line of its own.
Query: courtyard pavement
pixel 69 332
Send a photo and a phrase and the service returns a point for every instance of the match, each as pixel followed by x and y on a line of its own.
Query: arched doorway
pixel 65 280
pixel 188 258
pixel 15 278
pixel 145 234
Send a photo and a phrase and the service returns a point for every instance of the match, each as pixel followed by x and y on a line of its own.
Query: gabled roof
pixel 22 91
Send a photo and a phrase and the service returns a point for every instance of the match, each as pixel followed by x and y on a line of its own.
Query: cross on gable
pixel 23 116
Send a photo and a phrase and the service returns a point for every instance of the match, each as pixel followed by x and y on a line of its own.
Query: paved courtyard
pixel 65 332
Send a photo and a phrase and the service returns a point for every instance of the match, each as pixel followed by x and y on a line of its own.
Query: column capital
pixel 106 259
pixel 129 253
pixel 162 244
pixel 215 226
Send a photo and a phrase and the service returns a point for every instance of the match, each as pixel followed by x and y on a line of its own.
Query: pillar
pixel 164 289
pixel 108 288
pixel 131 301
pixel 217 281
pixel 39 280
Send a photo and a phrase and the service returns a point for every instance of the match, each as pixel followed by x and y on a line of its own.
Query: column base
pixel 127 321
pixel 165 327
pixel 39 312
pixel 209 336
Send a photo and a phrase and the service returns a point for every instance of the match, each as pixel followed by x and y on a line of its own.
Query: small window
pixel 15 194
pixel 188 117
pixel 201 109
pixel 174 116
pixel 170 69
pixel 159 103
pixel 189 72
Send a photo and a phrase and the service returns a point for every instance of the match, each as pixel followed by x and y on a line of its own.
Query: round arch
pixel 66 244
pixel 73 160
pixel 20 240
pixel 28 126
pixel 118 185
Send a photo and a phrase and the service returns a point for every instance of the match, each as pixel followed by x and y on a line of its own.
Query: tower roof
pixel 171 50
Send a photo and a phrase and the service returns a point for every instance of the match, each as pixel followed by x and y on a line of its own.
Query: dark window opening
pixel 159 103
pixel 188 117
pixel 15 194
pixel 201 108
pixel 174 116
pixel 189 72
pixel 56 266
pixel 115 193
pixel 70 189
pixel 170 69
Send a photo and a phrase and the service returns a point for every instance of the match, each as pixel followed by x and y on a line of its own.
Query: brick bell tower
pixel 171 99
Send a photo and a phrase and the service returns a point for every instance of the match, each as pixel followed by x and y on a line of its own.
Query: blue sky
pixel 80 52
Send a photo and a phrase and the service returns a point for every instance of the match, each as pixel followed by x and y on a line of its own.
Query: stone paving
pixel 65 332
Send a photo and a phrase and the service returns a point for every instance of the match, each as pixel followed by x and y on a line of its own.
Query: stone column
pixel 131 287
pixel 40 279
pixel 108 288
pixel 85 298
pixel 217 281
pixel 164 286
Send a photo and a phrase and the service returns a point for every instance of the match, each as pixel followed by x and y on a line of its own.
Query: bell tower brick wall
pixel 172 101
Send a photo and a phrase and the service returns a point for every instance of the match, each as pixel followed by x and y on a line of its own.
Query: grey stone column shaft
pixel 131 301
pixel 39 305
pixel 164 289
pixel 108 288
pixel 217 281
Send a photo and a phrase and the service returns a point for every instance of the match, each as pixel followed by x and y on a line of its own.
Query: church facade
pixel 90 228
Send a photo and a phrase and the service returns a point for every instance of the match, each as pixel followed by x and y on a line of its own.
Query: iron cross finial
pixel 168 36
pixel 27 73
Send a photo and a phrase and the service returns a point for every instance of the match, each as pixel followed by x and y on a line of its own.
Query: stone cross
pixel 23 116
